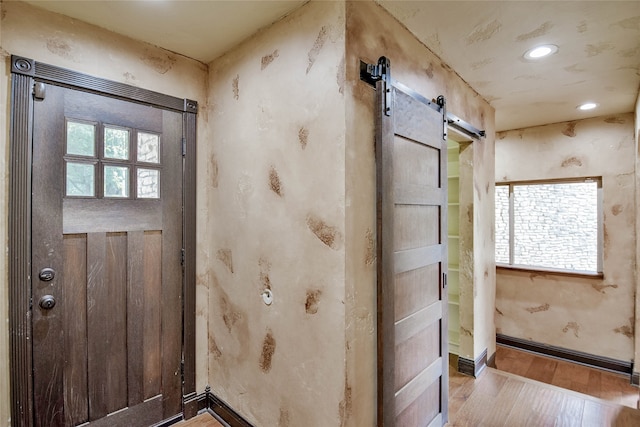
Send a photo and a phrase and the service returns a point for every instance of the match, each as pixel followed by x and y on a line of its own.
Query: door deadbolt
pixel 47 302
pixel 47 274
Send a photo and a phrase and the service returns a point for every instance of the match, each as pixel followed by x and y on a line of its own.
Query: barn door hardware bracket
pixel 464 127
pixel 371 73
pixel 442 102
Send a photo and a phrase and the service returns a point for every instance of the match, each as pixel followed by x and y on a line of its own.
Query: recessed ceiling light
pixel 541 51
pixel 587 106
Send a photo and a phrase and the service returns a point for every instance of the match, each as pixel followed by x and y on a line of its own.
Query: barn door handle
pixel 47 302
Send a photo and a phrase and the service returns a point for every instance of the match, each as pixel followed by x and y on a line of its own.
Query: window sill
pixel 554 271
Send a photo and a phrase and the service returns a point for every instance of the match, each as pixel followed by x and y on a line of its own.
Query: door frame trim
pixel 25 73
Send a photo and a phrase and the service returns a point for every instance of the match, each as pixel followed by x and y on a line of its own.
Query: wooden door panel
pixel 81 216
pixel 97 323
pixel 411 358
pixel 416 226
pixel 412 120
pixel 424 411
pixel 146 414
pixel 116 358
pixel 417 386
pixel 152 339
pixel 135 316
pixel 416 194
pixel 115 306
pixel 410 294
pixel 75 371
pixel 410 327
pixel 420 164
pixel 131 265
pixel 112 111
pixel 412 259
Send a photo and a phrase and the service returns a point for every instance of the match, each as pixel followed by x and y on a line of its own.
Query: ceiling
pixel 483 41
pixel 598 56
pixel 199 29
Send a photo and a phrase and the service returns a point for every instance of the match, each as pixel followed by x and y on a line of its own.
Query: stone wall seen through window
pixel 555 225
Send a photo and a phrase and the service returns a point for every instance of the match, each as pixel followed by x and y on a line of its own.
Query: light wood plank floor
pixel 594 382
pixel 499 398
pixel 202 420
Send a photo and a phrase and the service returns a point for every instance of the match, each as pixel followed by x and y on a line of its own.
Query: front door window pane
pixel 148 148
pixel 80 179
pixel 81 139
pixel 116 143
pixel 116 181
pixel 148 183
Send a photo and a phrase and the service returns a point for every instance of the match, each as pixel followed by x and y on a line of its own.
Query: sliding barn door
pixel 106 261
pixel 411 150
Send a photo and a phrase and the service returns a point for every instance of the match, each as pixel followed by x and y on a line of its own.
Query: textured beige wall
pixel 484 280
pixel 61 41
pixel 636 352
pixel 371 33
pixel 477 249
pixel 276 211
pixel 293 209
pixel 275 167
pixel 591 315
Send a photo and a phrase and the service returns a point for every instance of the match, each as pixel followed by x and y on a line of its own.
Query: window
pixel 550 225
pixel 121 168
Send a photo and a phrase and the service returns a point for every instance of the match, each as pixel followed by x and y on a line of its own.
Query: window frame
pixel 562 271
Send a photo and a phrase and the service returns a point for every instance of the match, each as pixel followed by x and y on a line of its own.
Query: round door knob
pixel 47 302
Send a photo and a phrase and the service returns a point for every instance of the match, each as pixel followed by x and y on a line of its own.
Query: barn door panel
pixel 411 161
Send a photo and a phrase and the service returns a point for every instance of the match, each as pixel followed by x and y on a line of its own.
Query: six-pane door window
pixel 111 166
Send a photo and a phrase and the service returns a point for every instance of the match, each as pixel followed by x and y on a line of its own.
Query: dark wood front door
pixel 106 261
pixel 411 151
